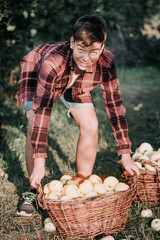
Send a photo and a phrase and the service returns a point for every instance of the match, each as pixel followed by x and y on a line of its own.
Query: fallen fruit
pixel 47 220
pixel 146 213
pixel 155 224
pixel 50 227
pixel 107 238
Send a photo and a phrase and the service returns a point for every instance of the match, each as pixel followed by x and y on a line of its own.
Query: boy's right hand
pixel 38 172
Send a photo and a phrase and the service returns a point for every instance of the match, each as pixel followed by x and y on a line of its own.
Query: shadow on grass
pixel 14 166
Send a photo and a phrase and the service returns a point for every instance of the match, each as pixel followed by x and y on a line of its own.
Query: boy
pixel 69 71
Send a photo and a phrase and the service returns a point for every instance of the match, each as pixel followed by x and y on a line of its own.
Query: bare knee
pixel 89 127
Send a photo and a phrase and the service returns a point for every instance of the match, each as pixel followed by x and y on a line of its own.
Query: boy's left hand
pixel 129 165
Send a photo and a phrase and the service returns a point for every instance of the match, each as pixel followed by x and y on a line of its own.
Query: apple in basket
pixel 110 182
pixel 71 191
pixel 158 162
pixel 121 187
pixel 86 187
pixel 145 147
pixel 155 156
pixel 95 179
pixel 139 164
pixel 65 178
pixel 100 188
pixel 149 167
pixel 55 186
pixel 91 194
pixel 52 196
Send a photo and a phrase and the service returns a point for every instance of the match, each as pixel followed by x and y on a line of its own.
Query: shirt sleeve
pixel 42 106
pixel 27 83
pixel 113 100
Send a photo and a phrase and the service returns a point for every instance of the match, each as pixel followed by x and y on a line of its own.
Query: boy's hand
pixel 129 165
pixel 38 172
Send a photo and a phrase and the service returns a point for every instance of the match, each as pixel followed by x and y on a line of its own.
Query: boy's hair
pixel 90 29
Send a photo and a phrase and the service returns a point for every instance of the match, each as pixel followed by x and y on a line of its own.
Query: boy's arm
pixel 38 172
pixel 42 107
pixel 129 165
pixel 113 100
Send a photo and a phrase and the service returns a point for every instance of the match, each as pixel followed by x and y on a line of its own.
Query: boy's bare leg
pixel 88 139
pixel 29 149
pixel 27 204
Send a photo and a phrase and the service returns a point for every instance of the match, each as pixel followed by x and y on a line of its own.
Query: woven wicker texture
pixel 148 183
pixel 87 218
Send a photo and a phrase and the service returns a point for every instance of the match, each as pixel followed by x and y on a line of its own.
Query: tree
pixel 25 24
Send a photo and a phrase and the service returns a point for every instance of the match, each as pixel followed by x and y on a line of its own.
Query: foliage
pixel 25 24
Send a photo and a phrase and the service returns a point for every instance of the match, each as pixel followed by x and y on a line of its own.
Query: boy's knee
pixel 90 127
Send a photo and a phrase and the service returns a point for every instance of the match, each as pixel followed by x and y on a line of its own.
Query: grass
pixel 138 86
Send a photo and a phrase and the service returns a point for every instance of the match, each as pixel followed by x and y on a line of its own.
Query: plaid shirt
pixel 45 75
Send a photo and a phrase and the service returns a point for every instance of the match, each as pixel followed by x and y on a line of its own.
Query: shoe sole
pixel 22 213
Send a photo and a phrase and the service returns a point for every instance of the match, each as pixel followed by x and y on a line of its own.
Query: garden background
pixel 133 37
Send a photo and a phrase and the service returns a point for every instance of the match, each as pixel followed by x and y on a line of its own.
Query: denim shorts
pixel 28 105
pixel 68 102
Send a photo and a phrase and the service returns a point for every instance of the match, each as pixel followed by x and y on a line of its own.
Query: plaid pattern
pixel 47 71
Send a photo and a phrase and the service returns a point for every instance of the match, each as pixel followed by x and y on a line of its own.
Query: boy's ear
pixel 71 42
pixel 102 48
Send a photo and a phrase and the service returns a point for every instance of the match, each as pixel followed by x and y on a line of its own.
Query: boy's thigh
pixel 29 112
pixel 85 116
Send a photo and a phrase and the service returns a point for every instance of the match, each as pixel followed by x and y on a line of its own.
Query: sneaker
pixel 28 204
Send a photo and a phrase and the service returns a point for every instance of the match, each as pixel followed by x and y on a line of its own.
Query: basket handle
pixel 119 164
pixel 148 162
pixel 152 164
pixel 40 196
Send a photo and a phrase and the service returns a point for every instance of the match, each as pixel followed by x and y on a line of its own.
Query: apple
pixel 86 187
pixel 110 182
pixel 155 224
pixel 50 227
pixel 121 187
pixel 95 179
pixel 52 196
pixel 72 191
pixel 100 188
pixel 145 147
pixel 65 178
pixel 146 213
pixel 107 238
pixel 55 186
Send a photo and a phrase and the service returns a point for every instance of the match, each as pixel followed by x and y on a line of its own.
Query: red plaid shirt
pixel 45 76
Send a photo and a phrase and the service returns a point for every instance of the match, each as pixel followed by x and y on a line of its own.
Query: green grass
pixel 138 85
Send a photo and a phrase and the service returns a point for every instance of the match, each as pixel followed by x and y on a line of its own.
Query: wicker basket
pixel 148 183
pixel 87 218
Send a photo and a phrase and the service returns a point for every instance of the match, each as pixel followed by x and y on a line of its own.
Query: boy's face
pixel 83 56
